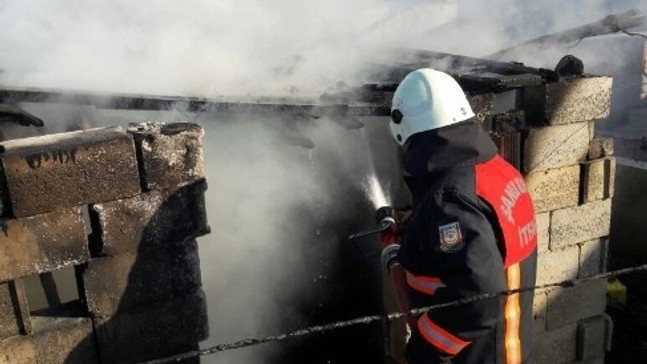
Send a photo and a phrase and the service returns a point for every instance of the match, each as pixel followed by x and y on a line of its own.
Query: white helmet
pixel 425 100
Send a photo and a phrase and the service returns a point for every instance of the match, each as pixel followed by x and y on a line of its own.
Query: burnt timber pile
pixel 123 208
pixel 543 121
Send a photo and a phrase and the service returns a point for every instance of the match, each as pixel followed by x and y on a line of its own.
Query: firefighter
pixel 471 231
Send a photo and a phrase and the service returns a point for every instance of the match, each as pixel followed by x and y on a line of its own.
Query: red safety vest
pixel 503 187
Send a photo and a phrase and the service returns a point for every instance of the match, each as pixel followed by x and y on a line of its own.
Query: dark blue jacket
pixel 454 247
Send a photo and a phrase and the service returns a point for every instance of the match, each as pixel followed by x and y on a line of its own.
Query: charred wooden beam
pixel 481 84
pixel 191 104
pixel 411 59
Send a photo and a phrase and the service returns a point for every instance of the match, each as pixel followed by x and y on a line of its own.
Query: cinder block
pixel 152 219
pixel 600 148
pixel 593 337
pixel 18 350
pixel 593 186
pixel 591 131
pixel 569 101
pixel 62 340
pixel 50 172
pixel 569 305
pixel 556 146
pixel 159 330
pixel 558 265
pixel 14 312
pixel 592 257
pixel 610 177
pixel 42 243
pixel 133 280
pixel 543 232
pixel 598 179
pixel 578 224
pixel 554 189
pixel 555 346
pixel 170 154
pixel 539 304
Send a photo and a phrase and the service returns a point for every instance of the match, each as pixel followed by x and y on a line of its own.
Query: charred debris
pixel 482 79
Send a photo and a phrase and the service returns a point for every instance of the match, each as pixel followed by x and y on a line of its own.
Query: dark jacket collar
pixel 432 152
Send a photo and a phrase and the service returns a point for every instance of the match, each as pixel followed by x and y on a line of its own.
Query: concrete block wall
pixel 570 176
pixel 123 208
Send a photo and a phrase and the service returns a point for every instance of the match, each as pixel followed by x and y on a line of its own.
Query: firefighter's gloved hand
pixel 390 244
pixel 391 235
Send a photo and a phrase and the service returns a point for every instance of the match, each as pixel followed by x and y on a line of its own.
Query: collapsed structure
pixel 142 198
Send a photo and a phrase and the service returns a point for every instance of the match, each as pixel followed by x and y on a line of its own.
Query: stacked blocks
pixel 124 209
pixel 570 175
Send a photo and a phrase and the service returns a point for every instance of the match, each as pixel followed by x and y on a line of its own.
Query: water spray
pixel 375 192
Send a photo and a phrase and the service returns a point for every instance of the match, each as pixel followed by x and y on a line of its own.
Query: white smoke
pixel 268 201
pixel 194 47
pixel 201 47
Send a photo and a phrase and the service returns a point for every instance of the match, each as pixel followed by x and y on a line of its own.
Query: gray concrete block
pixel 570 305
pixel 14 312
pixel 132 280
pixel 598 177
pixel 18 350
pixel 581 223
pixel 54 171
pixel 592 257
pixel 555 346
pixel 556 146
pixel 160 330
pixel 569 101
pixel 170 154
pixel 554 189
pixel 593 337
pixel 558 265
pixel 610 177
pixel 42 243
pixel 543 231
pixel 593 181
pixel 600 147
pixel 64 340
pixel 152 219
pixel 591 132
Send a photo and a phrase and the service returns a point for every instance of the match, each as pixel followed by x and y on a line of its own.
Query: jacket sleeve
pixel 466 262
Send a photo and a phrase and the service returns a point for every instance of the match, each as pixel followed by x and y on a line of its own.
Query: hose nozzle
pixel 385 220
pixel 385 213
